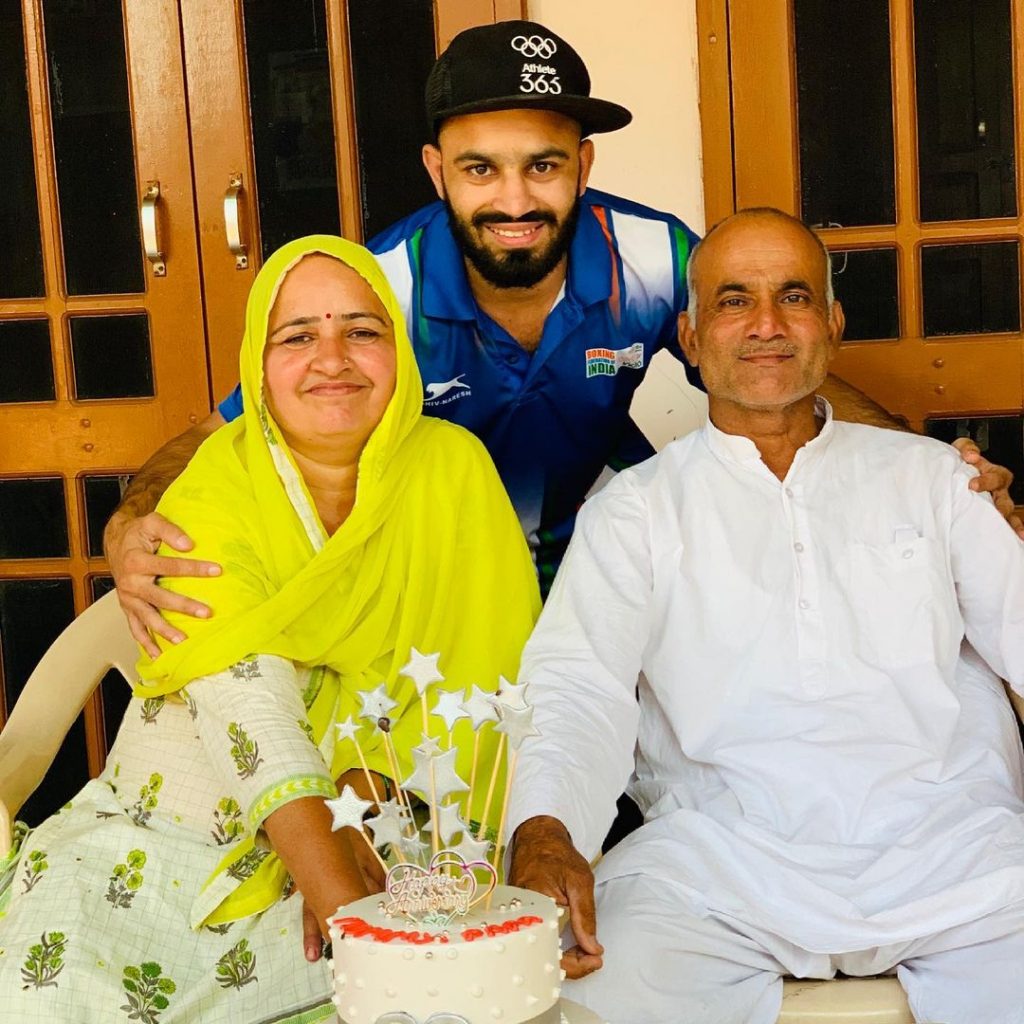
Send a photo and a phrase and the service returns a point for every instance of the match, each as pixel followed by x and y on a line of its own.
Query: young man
pixel 534 304
pixel 827 785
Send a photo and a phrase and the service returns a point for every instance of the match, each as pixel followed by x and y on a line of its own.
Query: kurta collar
pixel 741 450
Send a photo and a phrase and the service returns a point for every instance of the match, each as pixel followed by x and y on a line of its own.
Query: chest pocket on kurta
pixel 900 595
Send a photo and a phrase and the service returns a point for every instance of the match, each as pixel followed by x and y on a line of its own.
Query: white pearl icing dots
pixel 406 965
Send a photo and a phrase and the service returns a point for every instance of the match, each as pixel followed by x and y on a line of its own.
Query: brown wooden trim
pixel 346 142
pixel 213 43
pixel 715 110
pixel 452 16
pixel 511 10
pixel 764 107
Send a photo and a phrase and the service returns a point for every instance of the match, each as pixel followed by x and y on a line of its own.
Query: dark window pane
pixel 21 265
pixel 33 522
pixel 26 366
pixel 292 120
pixel 865 282
pixel 392 53
pixel 970 289
pixel 92 137
pixel 844 95
pixel 965 123
pixel 100 585
pixel 102 496
pixel 1000 438
pixel 111 356
pixel 32 615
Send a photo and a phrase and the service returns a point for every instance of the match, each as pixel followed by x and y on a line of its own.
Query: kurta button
pixel 789 492
pixel 909 553
pixel 804 603
pixel 798 547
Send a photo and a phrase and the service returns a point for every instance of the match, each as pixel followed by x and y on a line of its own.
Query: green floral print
pixel 151 707
pixel 227 821
pixel 126 880
pixel 244 751
pixel 246 865
pixel 237 967
pixel 142 810
pixel 45 961
pixel 193 710
pixel 35 865
pixel 147 992
pixel 247 668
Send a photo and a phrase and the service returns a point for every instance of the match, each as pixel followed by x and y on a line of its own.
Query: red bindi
pixel 328 315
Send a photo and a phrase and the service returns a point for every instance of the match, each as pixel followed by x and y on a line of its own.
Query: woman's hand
pixel 313 933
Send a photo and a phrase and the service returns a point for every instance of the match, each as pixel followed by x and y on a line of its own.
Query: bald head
pixel 763 214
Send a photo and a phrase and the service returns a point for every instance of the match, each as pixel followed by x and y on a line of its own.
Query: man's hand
pixel 544 859
pixel 994 479
pixel 130 544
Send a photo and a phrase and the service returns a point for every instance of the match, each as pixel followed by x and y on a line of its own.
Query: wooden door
pixel 305 120
pixel 893 126
pixel 102 351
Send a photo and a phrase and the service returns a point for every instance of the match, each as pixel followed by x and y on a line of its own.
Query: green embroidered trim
pixel 322 1011
pixel 282 793
pixel 312 691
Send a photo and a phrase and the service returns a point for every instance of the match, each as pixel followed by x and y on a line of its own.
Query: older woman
pixel 351 530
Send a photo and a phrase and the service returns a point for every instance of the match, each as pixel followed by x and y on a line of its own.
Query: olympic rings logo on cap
pixel 535 46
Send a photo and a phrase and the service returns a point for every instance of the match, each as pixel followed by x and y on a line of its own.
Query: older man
pixel 824 788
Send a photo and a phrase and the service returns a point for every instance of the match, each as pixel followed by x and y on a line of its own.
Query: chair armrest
pixel 1017 701
pixel 6 831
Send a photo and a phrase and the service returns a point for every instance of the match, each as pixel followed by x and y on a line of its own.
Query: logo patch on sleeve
pixel 606 362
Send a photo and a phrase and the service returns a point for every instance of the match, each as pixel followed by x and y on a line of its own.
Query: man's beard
pixel 514 268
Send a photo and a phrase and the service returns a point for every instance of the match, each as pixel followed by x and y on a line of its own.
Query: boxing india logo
pixel 606 362
pixel 537 78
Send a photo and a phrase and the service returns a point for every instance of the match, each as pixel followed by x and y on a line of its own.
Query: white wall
pixel 643 54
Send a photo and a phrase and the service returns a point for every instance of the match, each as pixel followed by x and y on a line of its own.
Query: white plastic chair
pixel 97 641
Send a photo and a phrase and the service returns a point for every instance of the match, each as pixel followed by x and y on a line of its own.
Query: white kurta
pixel 809 755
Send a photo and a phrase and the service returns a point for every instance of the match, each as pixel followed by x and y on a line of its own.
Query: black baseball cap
pixel 512 65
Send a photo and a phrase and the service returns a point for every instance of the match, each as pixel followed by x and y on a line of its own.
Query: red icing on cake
pixel 359 929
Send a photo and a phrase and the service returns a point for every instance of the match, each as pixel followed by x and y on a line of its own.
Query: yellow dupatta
pixel 431 556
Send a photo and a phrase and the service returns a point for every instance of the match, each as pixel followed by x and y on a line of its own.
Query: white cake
pixel 500 964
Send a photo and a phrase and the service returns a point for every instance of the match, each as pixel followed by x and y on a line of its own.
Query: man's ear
pixel 836 326
pixel 687 339
pixel 432 162
pixel 586 162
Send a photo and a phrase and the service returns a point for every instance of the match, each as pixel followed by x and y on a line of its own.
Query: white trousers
pixel 666 964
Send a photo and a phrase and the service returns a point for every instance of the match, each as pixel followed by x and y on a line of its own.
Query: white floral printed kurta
pixel 100 903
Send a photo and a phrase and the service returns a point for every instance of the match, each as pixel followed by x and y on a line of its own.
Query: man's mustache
pixel 768 350
pixel 484 217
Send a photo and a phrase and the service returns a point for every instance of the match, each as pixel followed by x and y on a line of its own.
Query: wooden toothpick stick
pixel 490 789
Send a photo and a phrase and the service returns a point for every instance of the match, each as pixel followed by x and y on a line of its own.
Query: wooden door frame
pixel 749 138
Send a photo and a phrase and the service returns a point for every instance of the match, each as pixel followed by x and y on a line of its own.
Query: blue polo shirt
pixel 551 419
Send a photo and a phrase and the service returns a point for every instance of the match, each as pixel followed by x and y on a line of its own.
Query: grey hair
pixel 756 211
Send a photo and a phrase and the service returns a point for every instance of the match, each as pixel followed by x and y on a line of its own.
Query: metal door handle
pixel 231 223
pixel 150 241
